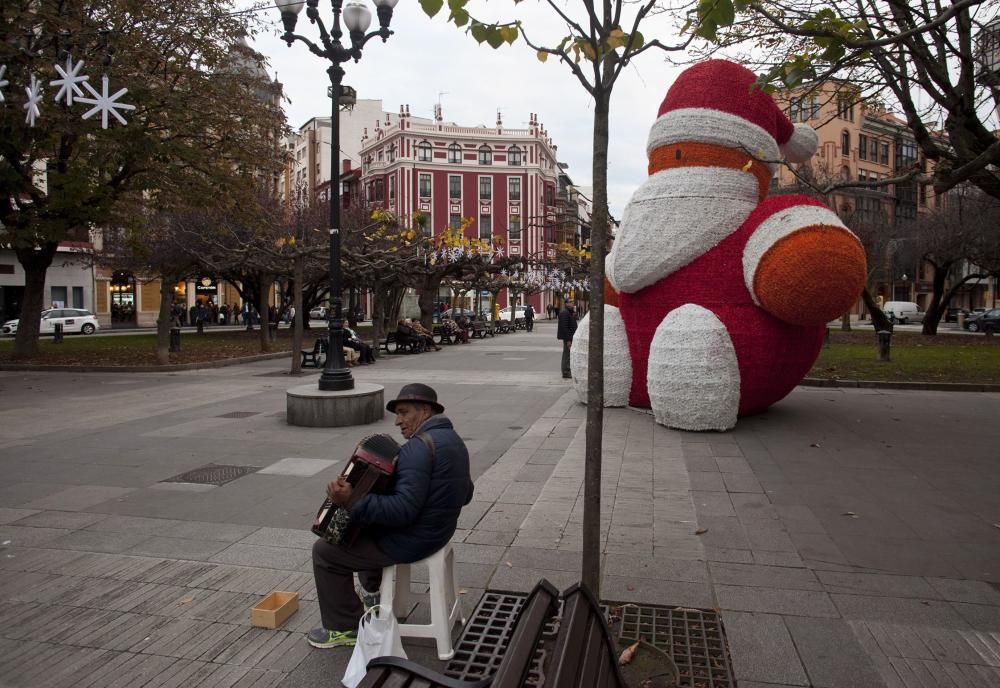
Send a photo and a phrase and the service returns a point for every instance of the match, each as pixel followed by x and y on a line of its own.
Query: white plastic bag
pixel 378 636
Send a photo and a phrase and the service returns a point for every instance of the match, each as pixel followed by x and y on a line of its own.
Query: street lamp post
pixel 357 17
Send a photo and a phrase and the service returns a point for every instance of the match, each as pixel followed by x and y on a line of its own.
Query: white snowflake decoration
pixel 3 82
pixel 34 93
pixel 68 88
pixel 104 103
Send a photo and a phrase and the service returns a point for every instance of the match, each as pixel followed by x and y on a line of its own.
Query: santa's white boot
pixel 617 360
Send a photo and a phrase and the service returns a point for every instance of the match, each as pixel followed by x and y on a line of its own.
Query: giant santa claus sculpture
pixel 722 293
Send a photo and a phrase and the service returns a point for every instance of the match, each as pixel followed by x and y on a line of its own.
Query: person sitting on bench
pixel 426 336
pixel 351 340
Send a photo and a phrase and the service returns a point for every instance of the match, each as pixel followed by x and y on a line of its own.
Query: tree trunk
pixel 845 322
pixel 36 263
pixel 879 321
pixel 297 320
pixel 935 309
pixel 428 291
pixel 264 309
pixel 591 563
pixel 164 320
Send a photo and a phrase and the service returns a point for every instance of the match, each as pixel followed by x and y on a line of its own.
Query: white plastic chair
pixel 444 604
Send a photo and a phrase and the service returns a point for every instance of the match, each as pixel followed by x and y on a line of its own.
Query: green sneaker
pixel 322 638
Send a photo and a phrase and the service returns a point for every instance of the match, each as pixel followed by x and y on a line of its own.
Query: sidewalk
pixel 849 535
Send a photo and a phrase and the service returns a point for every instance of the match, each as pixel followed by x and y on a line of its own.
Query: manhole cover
pixel 484 639
pixel 212 474
pixel 239 414
pixel 693 638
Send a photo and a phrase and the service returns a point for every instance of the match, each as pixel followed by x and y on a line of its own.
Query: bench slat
pixel 582 644
pixel 540 605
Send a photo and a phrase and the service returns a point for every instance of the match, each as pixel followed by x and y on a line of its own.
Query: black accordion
pixel 371 469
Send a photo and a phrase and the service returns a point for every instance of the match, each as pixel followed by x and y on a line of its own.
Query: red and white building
pixel 505 179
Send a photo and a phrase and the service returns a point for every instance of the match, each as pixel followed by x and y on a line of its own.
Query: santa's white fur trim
pixel 802 145
pixel 676 216
pixel 617 360
pixel 705 125
pixel 693 377
pixel 778 226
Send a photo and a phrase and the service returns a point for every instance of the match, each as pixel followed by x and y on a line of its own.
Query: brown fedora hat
pixel 416 392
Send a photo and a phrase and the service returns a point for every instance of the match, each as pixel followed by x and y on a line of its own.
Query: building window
pixel 392 153
pixel 923 195
pixel 455 153
pixel 514 156
pixel 485 188
pixel 862 175
pixel 514 228
pixel 58 297
pixel 485 227
pixel 425 186
pixel 845 143
pixel 77 297
pixel 874 151
pixel 454 186
pixel 884 153
pixel 549 195
pixel 862 147
pixel 514 188
pixel 845 108
pixel 455 220
pixel 423 152
pixel 378 190
pixel 485 155
pixel 392 188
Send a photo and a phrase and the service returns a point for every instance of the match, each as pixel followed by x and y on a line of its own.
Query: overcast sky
pixel 428 59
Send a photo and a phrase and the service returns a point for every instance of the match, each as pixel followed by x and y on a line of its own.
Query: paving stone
pixel 762 649
pixel 534 473
pixel 94 541
pixel 546 457
pixel 659 568
pixel 770 600
pixel 515 579
pixel 768 535
pixel 197 530
pixel 980 616
pixel 478 554
pixel 974 592
pixel 489 537
pixel 877 584
pixel 133 525
pixel 736 556
pixel 521 493
pixel 504 517
pixel 71 520
pixel 740 482
pixel 267 557
pixel 651 591
pixel 281 537
pixel 182 548
pixel 786 559
pixel 712 504
pixel 298 467
pixel 831 654
pixel 898 610
pixel 702 481
pixel 24 536
pixel 763 576
pixel 77 498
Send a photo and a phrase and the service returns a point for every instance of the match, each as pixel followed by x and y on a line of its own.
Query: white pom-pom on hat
pixel 801 145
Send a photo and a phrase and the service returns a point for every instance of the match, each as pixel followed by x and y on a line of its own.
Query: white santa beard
pixel 676 216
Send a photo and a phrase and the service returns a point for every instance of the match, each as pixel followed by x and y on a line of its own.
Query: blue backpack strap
pixel 429 443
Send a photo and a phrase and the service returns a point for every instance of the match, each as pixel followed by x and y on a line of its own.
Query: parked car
pixel 459 312
pixel 72 320
pixel 519 315
pixel 903 312
pixel 951 315
pixel 989 321
pixel 318 313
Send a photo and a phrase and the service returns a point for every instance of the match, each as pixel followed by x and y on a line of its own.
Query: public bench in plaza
pixel 583 656
pixel 316 356
pixel 408 345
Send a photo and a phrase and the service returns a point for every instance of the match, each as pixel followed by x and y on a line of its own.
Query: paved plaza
pixel 850 537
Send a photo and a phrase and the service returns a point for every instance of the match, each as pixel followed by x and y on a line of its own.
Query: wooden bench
pixel 386 672
pixel 311 358
pixel 584 654
pixel 409 346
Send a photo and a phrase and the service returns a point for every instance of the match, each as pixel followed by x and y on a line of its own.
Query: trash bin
pixel 59 333
pixel 175 339
pixel 884 343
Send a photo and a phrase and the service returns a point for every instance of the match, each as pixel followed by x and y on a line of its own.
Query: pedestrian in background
pixel 565 331
pixel 529 318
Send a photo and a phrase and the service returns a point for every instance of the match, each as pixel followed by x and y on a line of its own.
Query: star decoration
pixel 34 93
pixel 3 82
pixel 68 88
pixel 105 103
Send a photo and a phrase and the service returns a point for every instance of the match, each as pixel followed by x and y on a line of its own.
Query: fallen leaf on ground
pixel 849 513
pixel 628 654
pixel 995 525
pixel 701 531
pixel 463 591
pixel 814 444
pixel 509 565
pixel 185 600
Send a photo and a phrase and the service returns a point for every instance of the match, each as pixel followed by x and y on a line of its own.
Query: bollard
pixel 58 333
pixel 826 339
pixel 175 339
pixel 272 331
pixel 201 327
pixel 961 320
pixel 884 343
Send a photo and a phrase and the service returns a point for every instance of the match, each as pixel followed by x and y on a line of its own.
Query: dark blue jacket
pixel 567 325
pixel 420 516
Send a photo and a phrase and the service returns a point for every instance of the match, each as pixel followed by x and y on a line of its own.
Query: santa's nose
pixel 811 276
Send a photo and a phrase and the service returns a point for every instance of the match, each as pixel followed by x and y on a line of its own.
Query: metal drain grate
pixel 484 640
pixel 212 474
pixel 694 639
pixel 239 414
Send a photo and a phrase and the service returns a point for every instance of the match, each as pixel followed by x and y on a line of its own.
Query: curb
pixel 916 386
pixel 146 368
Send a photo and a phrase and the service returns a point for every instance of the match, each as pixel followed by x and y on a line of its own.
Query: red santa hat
pixel 719 102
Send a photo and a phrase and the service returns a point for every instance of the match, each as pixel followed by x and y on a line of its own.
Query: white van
pixel 903 312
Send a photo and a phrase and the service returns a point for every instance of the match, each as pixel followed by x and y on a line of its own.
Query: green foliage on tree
pixel 204 109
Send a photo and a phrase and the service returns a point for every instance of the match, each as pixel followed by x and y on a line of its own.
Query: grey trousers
pixel 333 568
pixel 565 357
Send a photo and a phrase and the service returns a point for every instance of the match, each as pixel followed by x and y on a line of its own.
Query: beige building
pixel 862 142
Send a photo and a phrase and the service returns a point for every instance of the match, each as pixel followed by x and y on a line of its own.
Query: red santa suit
pixel 722 292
